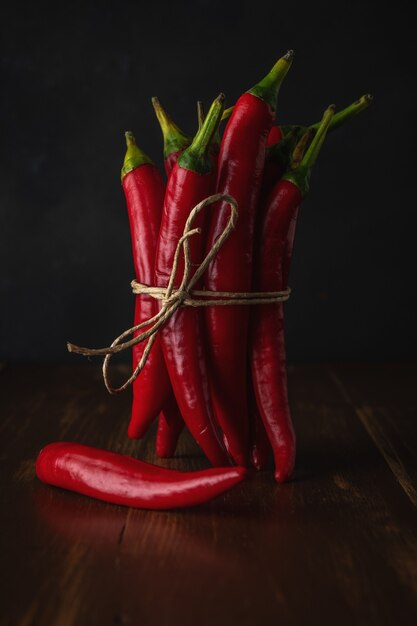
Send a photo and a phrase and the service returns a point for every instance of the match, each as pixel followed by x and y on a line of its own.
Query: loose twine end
pixel 172 298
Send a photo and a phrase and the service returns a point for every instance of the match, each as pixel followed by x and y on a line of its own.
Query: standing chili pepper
pixel 175 140
pixel 241 163
pixel 144 190
pixel 267 346
pixel 191 181
pixel 121 479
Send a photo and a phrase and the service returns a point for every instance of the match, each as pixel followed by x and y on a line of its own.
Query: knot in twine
pixel 172 299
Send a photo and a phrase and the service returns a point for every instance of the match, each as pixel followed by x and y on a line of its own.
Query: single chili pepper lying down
pixel 121 479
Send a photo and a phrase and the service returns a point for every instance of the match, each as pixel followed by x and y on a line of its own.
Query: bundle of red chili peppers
pixel 218 370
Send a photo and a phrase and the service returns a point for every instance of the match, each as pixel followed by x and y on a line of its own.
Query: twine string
pixel 172 299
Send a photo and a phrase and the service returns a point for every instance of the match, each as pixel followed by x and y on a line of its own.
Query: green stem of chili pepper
pixel 227 113
pixel 135 157
pixel 339 119
pixel 299 149
pixel 347 113
pixel 200 113
pixel 197 158
pixel 268 88
pixel 300 176
pixel 174 138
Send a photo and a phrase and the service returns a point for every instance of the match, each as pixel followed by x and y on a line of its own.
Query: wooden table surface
pixel 337 545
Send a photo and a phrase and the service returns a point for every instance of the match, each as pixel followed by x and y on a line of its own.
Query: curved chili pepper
pixel 241 163
pixel 144 191
pixel 175 140
pixel 191 180
pixel 274 169
pixel 121 479
pixel 267 345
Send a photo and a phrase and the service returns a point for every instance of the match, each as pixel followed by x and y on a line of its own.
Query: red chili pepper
pixel 260 447
pixel 275 135
pixel 144 190
pixel 168 433
pixel 277 161
pixel 121 479
pixel 241 163
pixel 267 345
pixel 191 180
pixel 175 140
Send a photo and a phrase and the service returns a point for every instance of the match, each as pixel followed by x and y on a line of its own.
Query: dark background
pixel 76 76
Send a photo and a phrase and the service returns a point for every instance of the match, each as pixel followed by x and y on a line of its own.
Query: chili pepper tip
pixel 130 138
pixel 268 88
pixel 196 157
pixel 301 174
pixel 134 157
pixel 347 113
pixel 175 140
pixel 227 113
pixel 201 114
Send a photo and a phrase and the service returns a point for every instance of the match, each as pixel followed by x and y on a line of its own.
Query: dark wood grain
pixel 337 545
pixel 384 399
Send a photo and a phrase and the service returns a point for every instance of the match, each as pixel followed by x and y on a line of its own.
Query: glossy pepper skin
pixel 144 191
pixel 267 340
pixel 275 135
pixel 190 182
pixel 277 162
pixel 123 480
pixel 241 163
pixel 170 426
pixel 260 448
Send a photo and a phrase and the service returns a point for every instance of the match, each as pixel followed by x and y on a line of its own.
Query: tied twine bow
pixel 172 299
